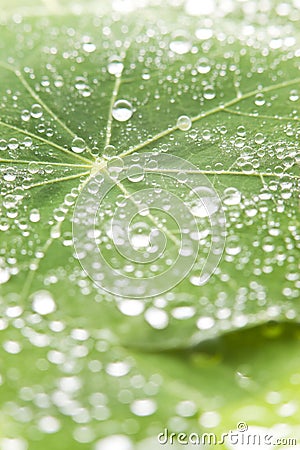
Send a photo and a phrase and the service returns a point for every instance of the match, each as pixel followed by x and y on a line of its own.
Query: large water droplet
pixel 115 66
pixel 203 66
pixel 180 44
pixel 78 145
pixel 184 123
pixel 36 111
pixel 43 303
pixel 122 110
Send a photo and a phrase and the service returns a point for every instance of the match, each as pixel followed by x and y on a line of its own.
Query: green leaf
pixel 63 67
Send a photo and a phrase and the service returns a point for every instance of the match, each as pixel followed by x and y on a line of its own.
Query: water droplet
pixel 259 138
pixel 33 167
pixel 232 196
pixel 157 318
pixel 43 303
pixel 118 369
pixel 13 144
pixel 36 111
pixel 181 44
pixel 3 144
pixel 143 408
pixel 109 151
pixel 184 123
pixel 233 245
pixel 203 202
pixel 13 444
pixel 204 33
pixel 115 66
pixel 294 95
pixel 34 216
pixel 4 275
pixel 203 66
pixel 186 408
pixel 209 93
pixel 89 47
pixel 259 99
pixel 131 307
pixel 12 347
pixel 122 110
pixel 116 441
pixel 205 323
pixel 49 424
pixel 25 115
pixel 78 145
pixel 210 419
pixel 27 142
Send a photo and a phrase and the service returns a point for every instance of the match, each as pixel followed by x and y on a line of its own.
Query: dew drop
pixel 294 95
pixel 259 138
pixel 181 44
pixel 13 144
pixel 13 444
pixel 203 66
pixel 4 275
pixel 209 93
pixel 78 145
pixel 116 441
pixel 233 245
pixel 36 111
pixel 122 110
pixel 232 196
pixel 34 216
pixel 109 151
pixel 49 424
pixel 184 123
pixel 259 99
pixel 27 142
pixel 3 144
pixel 89 47
pixel 205 323
pixel 203 202
pixel 25 115
pixel 157 318
pixel 43 303
pixel 143 408
pixel 115 66
pixel 204 33
pixel 210 419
